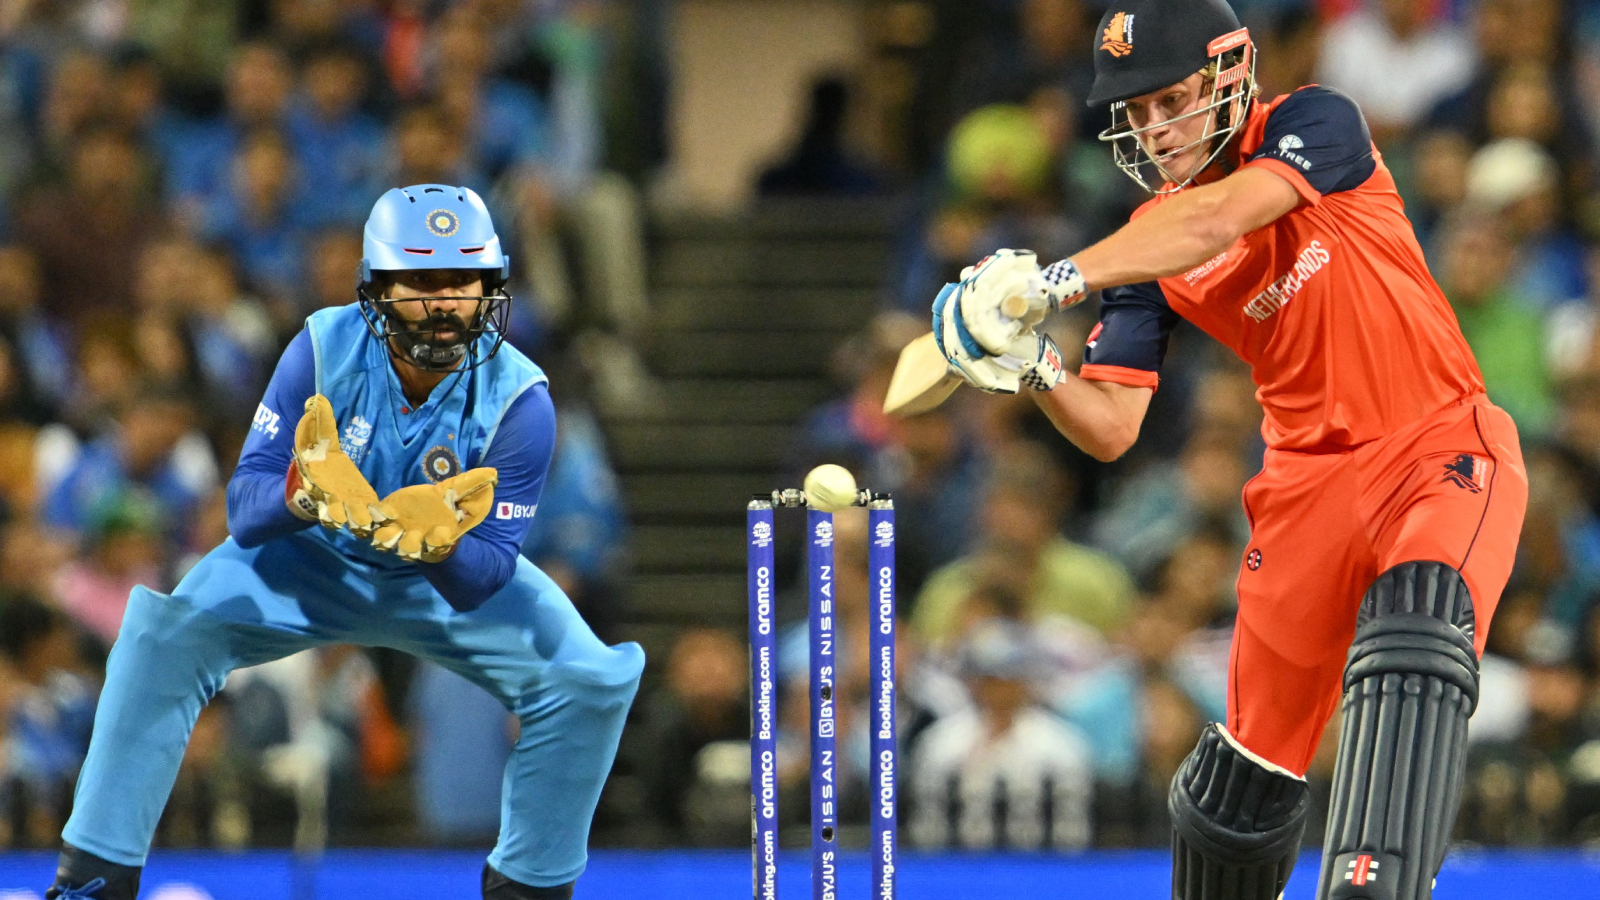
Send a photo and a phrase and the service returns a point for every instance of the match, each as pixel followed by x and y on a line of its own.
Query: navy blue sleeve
pixel 520 452
pixel 1129 343
pixel 1320 135
pixel 257 512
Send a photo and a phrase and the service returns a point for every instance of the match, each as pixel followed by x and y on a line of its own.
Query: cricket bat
pixel 922 378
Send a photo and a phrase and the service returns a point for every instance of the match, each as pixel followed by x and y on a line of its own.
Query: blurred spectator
pixel 1157 508
pixel 338 147
pixel 427 151
pixel 333 267
pixel 1517 792
pixel 703 710
pixel 316 724
pixel 502 124
pixel 260 215
pixel 38 347
pixel 46 712
pixel 1505 333
pixel 1397 59
pixel 87 231
pixel 154 449
pixel 201 152
pixel 1006 773
pixel 820 164
pixel 1516 181
pixel 192 39
pixel 122 549
pixel 1021 514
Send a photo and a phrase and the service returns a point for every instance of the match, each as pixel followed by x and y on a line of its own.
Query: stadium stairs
pixel 745 312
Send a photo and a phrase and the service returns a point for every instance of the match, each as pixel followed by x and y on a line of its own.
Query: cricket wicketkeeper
pixel 1385 521
pixel 419 444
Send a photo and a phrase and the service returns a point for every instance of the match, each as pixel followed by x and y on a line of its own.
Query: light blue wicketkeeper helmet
pixel 434 226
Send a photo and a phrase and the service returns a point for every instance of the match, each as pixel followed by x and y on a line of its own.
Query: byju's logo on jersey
pixel 508 510
pixel 357 435
pixel 440 463
pixel 1466 472
pixel 266 421
pixel 1286 147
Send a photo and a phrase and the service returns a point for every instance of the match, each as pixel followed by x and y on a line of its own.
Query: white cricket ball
pixel 830 488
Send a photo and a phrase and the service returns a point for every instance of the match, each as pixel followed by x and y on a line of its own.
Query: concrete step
pixel 736 261
pixel 687 548
pixel 715 599
pixel 751 309
pixel 787 219
pixel 749 355
pixel 730 401
pixel 697 448
pixel 701 498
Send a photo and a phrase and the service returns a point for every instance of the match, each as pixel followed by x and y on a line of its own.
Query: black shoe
pixel 499 887
pixel 80 875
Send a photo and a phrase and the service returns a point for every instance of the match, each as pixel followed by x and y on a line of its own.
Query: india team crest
pixel 440 463
pixel 443 223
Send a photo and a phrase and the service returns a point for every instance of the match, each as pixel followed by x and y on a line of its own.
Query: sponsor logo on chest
pixel 1205 268
pixel 1277 295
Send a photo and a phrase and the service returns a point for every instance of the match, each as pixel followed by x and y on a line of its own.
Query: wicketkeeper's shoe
pixel 499 887
pixel 81 875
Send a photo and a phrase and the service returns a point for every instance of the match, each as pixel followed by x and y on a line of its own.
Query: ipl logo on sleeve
pixel 266 421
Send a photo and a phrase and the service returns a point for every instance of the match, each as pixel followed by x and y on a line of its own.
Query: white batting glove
pixel 1043 373
pixel 1004 296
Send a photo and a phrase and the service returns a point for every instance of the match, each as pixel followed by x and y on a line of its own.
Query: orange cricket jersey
pixel 1347 335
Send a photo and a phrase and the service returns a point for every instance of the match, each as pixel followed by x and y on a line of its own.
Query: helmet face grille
pixel 417 343
pixel 1233 86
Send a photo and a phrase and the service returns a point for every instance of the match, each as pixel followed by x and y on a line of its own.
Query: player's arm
pixel 1101 417
pixel 1102 407
pixel 1314 143
pixel 486 557
pixel 1183 232
pixel 257 512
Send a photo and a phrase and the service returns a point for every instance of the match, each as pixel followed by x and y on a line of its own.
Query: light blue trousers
pixel 527 646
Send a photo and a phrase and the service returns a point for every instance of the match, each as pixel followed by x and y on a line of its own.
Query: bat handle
pixel 1015 306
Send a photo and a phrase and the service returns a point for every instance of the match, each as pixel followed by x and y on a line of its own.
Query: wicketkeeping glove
pixel 323 484
pixel 424 522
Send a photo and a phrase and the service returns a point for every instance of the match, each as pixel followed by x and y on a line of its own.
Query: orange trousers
pixel 1449 487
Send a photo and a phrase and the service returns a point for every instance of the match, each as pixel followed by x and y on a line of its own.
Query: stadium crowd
pixel 182 181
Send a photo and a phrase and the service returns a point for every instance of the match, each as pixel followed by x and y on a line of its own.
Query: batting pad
pixel 1237 821
pixel 1409 686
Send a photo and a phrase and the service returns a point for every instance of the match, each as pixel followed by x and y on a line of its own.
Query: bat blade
pixel 922 379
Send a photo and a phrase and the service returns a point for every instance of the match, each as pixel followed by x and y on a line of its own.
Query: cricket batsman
pixel 1385 520
pixel 380 499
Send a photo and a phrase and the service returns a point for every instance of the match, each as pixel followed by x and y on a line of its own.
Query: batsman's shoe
pixel 424 522
pixel 324 485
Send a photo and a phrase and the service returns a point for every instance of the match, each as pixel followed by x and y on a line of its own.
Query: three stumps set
pixel 824 675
